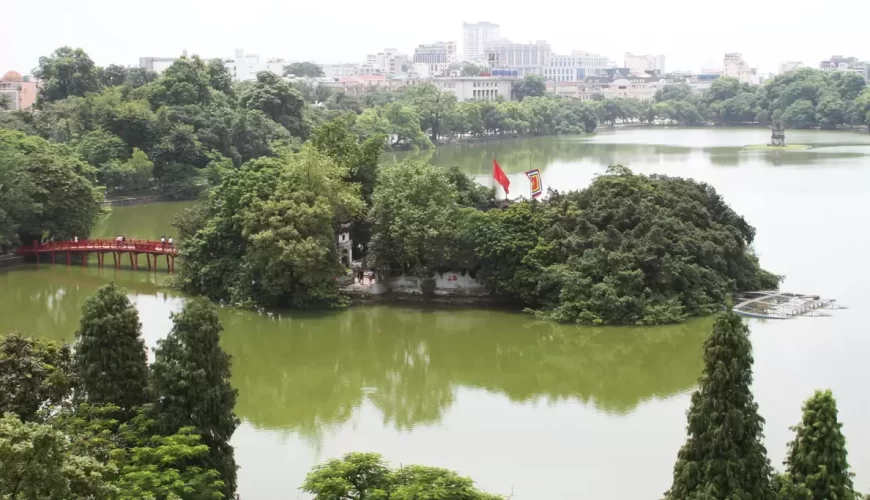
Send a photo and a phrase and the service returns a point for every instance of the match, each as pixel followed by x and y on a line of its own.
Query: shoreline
pixel 138 200
pixel 638 125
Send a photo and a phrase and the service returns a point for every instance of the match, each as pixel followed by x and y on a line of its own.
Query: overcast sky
pixel 691 34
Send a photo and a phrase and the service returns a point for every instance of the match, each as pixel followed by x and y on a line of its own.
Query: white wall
pixel 445 284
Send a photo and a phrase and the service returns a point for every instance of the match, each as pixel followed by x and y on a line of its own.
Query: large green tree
pixel 278 100
pixel 186 81
pixel 616 251
pixel 98 147
pixel 191 379
pixel 471 69
pixel 432 105
pixel 365 476
pixel 137 461
pixel 110 359
pixel 412 218
pixel 17 191
pixel 531 85
pixel 61 200
pixel 131 175
pixel 278 248
pixel 360 159
pixel 303 70
pixel 405 126
pixel 817 456
pixel 66 72
pixel 723 456
pixel 35 374
pixel 38 463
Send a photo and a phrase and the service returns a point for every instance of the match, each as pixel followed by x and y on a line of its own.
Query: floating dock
pixel 773 304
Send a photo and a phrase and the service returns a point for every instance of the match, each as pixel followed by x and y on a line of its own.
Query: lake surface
pixel 545 410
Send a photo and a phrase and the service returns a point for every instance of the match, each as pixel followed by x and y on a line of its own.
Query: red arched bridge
pixel 103 247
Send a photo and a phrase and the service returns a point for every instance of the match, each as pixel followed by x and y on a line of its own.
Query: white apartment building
pixel 341 70
pixel 640 64
pixel 481 88
pixel 388 62
pixel 840 63
pixel 736 67
pixel 157 64
pixel 242 66
pixel 575 67
pixel 526 58
pixel 474 38
pixel 437 56
pixel 643 91
pixel 790 66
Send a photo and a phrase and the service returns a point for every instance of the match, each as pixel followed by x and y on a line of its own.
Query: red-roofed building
pixel 17 92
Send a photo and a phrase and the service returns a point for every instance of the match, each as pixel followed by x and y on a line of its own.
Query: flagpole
pixel 531 197
pixel 492 174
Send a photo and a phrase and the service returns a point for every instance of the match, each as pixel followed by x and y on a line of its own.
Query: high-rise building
pixel 526 58
pixel 736 67
pixel 437 56
pixel 474 39
pixel 640 64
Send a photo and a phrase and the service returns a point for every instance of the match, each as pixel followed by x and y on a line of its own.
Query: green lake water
pixel 546 410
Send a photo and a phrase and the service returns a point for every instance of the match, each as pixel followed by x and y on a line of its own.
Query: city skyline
pixel 274 30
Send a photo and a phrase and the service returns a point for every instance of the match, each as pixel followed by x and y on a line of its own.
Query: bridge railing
pixel 143 246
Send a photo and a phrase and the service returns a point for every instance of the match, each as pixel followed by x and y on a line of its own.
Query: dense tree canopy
pixel 56 444
pixel 530 85
pixel 471 69
pixel 45 190
pixel 65 73
pixel 366 476
pixel 277 99
pixel 413 218
pixel 619 251
pixel 189 116
pixel 303 69
pixel 268 233
pixel 34 374
pixel 628 249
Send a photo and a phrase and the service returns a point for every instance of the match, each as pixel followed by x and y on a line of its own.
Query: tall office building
pixel 436 56
pixel 474 38
pixel 736 67
pixel 526 58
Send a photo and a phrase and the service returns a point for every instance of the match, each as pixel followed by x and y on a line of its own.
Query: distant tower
pixel 474 38
pixel 777 136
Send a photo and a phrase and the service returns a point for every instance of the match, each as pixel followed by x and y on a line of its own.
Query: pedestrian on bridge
pixel 170 242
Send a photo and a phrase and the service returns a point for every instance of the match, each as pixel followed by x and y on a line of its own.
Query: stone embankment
pixel 10 260
pixel 442 288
